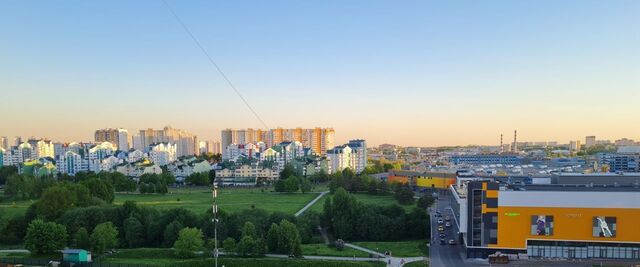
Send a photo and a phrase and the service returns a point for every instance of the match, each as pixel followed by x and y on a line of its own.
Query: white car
pixel 440 221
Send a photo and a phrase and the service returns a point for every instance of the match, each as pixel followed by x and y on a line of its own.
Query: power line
pixel 204 51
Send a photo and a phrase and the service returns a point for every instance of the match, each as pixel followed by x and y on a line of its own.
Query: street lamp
pixel 214 207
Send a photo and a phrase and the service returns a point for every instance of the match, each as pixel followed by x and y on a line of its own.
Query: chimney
pixel 515 141
pixel 501 146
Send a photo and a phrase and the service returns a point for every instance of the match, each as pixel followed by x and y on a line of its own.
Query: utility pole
pixel 214 192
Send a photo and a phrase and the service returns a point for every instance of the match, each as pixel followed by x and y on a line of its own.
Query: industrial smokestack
pixel 515 141
pixel 501 146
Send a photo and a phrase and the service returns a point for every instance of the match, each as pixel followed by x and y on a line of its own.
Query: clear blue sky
pixel 405 72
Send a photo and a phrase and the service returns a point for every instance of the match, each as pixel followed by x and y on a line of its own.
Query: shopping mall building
pixel 548 221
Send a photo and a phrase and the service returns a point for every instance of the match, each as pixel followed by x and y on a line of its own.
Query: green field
pixel 413 248
pixel 164 257
pixel 234 199
pixel 324 250
pixel 197 200
pixel 10 208
pixel 366 199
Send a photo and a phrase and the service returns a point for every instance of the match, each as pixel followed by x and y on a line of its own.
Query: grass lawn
pixel 413 248
pixel 324 250
pixel 164 257
pixel 229 199
pixel 364 198
pixel 10 208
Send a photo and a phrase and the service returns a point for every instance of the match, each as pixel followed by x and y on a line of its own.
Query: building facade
pixel 119 137
pixel 549 222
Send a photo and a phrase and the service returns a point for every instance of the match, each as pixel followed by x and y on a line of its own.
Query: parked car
pixel 442 242
pixel 440 221
pixel 440 228
pixel 448 225
pixel 438 213
pixel 447 218
pixel 452 242
pixel 442 235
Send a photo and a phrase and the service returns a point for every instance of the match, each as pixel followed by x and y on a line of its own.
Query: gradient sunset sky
pixel 403 72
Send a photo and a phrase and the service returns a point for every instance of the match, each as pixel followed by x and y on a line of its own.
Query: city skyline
pixel 421 73
pixel 507 138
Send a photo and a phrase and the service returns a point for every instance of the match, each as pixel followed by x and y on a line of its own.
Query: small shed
pixel 76 255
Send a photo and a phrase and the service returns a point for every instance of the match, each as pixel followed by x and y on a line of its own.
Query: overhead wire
pixel 213 63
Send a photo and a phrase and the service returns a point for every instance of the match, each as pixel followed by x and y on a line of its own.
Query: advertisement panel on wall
pixel 542 225
pixel 604 226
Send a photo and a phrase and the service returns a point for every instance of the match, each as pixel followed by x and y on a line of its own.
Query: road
pixel 311 203
pixel 447 255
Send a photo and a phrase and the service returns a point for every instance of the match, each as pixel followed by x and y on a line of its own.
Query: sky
pixel 423 73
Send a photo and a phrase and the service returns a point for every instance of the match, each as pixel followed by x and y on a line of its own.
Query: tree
pixel 383 187
pixel 56 200
pixel 246 246
pixel 404 194
pixel 104 236
pixel 189 241
pixel 372 187
pixel 20 186
pixel 250 244
pixel 279 186
pixel 289 239
pixel 172 232
pixel 7 171
pixel 305 185
pixel 229 245
pixel 133 232
pixel 201 178
pixel 287 171
pixel 249 229
pixel 424 202
pixel 45 237
pixel 168 178
pixel 100 189
pixel 291 184
pixel 272 238
pixel 81 239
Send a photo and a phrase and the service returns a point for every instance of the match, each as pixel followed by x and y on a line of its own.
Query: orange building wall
pixel 569 224
pixel 397 179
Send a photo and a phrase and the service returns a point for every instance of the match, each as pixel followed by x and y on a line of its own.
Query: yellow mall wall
pixel 435 182
pixel 568 224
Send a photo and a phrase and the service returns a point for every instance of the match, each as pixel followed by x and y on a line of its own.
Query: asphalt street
pixel 448 255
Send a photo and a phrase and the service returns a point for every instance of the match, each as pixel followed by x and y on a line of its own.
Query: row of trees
pixel 47 237
pixel 348 219
pixel 293 184
pixel 143 226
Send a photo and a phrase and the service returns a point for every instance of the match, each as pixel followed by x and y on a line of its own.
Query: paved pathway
pixel 311 203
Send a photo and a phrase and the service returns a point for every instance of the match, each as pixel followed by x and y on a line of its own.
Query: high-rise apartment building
pixel 17 141
pixel 590 141
pixel 118 137
pixel 187 143
pixel 574 145
pixel 318 139
pixel 4 143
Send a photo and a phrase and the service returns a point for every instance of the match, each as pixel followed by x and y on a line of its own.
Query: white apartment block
pixel 163 153
pixel 99 152
pixel 352 155
pixel 71 163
